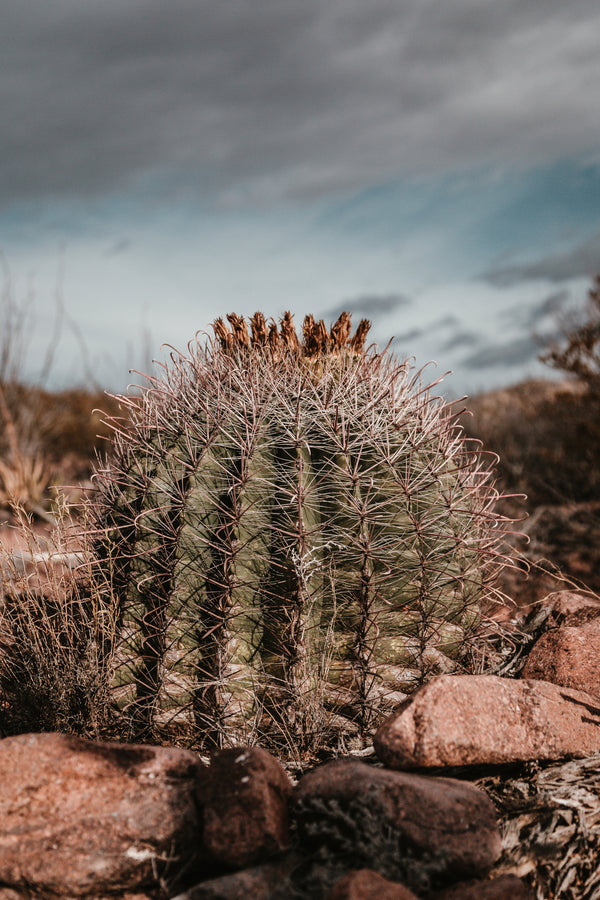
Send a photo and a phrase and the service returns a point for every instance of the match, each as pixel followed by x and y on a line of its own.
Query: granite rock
pixel 415 829
pixel 569 656
pixel 244 799
pixel 84 818
pixel 463 720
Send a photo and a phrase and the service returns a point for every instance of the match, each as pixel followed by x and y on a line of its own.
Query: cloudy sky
pixel 432 164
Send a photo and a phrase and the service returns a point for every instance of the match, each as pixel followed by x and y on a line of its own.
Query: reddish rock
pixel 569 656
pixel 244 795
pixel 256 883
pixel 80 817
pixel 448 824
pixel 458 720
pixel 572 607
pixel 136 896
pixel 365 884
pixel 121 897
pixel 561 608
pixel 505 887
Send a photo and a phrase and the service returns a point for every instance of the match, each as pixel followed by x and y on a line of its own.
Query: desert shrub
pixel 49 438
pixel 46 436
pixel 547 436
pixel 56 639
pixel 54 424
pixel 579 352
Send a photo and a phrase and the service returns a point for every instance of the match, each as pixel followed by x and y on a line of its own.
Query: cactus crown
pixel 316 339
pixel 298 535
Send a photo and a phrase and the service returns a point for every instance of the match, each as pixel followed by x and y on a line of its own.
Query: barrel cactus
pixel 296 535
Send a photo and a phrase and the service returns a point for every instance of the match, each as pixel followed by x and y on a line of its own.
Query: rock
pixel 10 894
pixel 505 887
pixel 569 656
pixel 133 897
pixel 522 626
pixel 561 608
pixel 256 883
pixel 418 830
pixel 365 884
pixel 87 818
pixel 459 720
pixel 244 795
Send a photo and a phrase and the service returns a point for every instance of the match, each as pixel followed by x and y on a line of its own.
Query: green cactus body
pixel 296 535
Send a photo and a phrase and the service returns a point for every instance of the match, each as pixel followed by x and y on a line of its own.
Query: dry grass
pixel 23 480
pixel 547 435
pixel 56 638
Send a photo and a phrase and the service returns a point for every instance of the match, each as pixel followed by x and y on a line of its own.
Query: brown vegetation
pixel 547 435
pixel 63 429
pixel 579 355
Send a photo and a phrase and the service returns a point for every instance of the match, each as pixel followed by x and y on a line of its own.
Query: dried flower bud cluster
pixel 316 338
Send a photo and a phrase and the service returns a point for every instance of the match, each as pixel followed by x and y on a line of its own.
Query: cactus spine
pixel 297 536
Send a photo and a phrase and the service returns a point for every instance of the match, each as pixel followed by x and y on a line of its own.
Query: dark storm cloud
pixel 504 353
pixel 121 245
pixel 260 101
pixel 532 315
pixel 460 339
pixel 580 261
pixel 371 306
pixel 443 324
pixel 411 335
pixel 549 307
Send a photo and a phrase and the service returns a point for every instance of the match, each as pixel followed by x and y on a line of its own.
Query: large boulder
pixel 461 720
pixel 84 818
pixel 417 830
pixel 244 796
pixel 569 656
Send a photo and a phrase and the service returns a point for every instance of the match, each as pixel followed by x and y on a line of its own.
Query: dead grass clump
pixel 56 640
